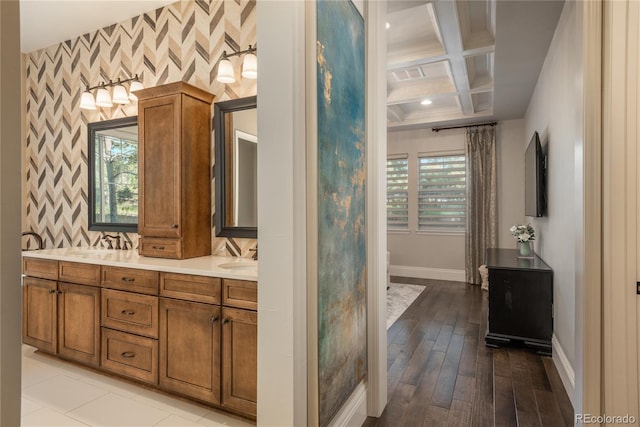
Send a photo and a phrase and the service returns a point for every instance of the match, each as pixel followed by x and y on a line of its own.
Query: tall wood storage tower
pixel 174 127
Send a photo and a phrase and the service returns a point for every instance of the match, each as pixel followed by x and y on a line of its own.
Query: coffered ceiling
pixel 457 62
pixel 474 60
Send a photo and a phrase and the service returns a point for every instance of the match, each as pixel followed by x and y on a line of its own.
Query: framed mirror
pixel 113 175
pixel 236 151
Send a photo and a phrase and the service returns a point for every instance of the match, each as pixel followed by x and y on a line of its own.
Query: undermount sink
pixel 244 266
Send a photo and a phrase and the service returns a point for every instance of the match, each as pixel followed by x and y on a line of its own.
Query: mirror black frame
pixel 220 109
pixel 92 129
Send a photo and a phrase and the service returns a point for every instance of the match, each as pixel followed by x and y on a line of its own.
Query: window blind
pixel 398 192
pixel 442 193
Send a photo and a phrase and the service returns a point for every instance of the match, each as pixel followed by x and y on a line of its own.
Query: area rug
pixel 399 298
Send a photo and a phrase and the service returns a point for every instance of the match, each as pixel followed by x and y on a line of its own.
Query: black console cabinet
pixel 520 300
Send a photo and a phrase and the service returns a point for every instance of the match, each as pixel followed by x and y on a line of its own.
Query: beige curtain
pixel 482 217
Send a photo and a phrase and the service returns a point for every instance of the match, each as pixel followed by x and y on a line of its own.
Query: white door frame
pixel 376 117
pixel 620 120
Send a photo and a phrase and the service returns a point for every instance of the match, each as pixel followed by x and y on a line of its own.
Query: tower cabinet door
pixel 239 359
pixel 79 323
pixel 39 307
pixel 159 161
pixel 190 349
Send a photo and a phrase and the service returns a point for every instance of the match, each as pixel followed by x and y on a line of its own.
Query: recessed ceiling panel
pixel 477 23
pixel 438 104
pixel 412 34
pixel 482 101
pixel 415 83
pixel 480 71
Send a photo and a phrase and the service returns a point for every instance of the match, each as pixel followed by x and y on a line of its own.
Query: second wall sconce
pixel 249 65
pixel 104 99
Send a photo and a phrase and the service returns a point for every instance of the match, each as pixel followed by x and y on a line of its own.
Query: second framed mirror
pixel 236 151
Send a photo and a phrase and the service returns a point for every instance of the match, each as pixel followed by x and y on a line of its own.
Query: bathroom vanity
pixel 187 327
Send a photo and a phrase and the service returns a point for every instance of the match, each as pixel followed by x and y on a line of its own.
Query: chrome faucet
pixel 36 236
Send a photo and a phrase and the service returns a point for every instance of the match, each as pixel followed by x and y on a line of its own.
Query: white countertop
pixel 213 266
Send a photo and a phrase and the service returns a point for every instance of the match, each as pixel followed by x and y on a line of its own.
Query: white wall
pixel 509 137
pixel 441 256
pixel 282 357
pixel 556 112
pixel 422 250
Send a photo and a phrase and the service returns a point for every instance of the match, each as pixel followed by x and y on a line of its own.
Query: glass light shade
pixel 87 102
pixel 135 85
pixel 120 95
pixel 103 99
pixel 225 72
pixel 250 66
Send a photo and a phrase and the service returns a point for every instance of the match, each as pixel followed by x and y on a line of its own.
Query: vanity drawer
pixel 42 268
pixel 160 247
pixel 130 355
pixel 240 293
pixel 129 312
pixel 76 272
pixel 191 288
pixel 130 279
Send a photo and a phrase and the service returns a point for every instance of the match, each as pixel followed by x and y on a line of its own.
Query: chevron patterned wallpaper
pixel 182 41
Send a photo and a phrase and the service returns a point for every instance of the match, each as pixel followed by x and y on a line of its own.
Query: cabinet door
pixel 159 165
pixel 190 349
pixel 239 359
pixel 521 304
pixel 79 323
pixel 39 307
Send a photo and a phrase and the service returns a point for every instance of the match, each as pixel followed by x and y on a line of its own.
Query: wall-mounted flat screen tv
pixel 535 196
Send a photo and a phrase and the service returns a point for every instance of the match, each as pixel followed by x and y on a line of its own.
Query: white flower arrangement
pixel 523 233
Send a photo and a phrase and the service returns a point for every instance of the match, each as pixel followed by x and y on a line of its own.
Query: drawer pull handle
pixel 128 354
pixel 160 248
pixel 225 320
pixel 128 312
pixel 128 279
pixel 52 291
pixel 174 225
pixel 214 318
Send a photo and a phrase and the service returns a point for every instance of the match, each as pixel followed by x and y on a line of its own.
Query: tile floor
pixel 57 393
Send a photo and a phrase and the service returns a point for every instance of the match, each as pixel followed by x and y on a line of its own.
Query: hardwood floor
pixel 440 373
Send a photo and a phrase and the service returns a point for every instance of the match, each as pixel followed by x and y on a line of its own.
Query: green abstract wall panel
pixel 342 361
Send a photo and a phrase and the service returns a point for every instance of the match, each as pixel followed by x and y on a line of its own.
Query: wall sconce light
pixel 249 65
pixel 104 99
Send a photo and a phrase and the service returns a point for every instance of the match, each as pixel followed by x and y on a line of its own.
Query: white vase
pixel 525 248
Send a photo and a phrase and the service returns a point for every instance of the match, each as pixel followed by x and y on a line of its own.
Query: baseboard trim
pixel 567 375
pixel 427 273
pixel 354 411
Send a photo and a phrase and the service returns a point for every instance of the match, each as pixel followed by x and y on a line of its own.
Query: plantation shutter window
pixel 442 193
pixel 398 192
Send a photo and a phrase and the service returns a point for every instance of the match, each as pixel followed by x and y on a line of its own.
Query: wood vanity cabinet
pixel 190 349
pixel 192 335
pixel 174 131
pixel 208 351
pixel 239 359
pixel 59 317
pixel 39 313
pixel 130 323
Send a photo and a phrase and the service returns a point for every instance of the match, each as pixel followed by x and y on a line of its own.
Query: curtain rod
pixel 465 126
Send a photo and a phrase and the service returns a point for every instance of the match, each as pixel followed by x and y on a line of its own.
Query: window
pixel 442 193
pixel 398 192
